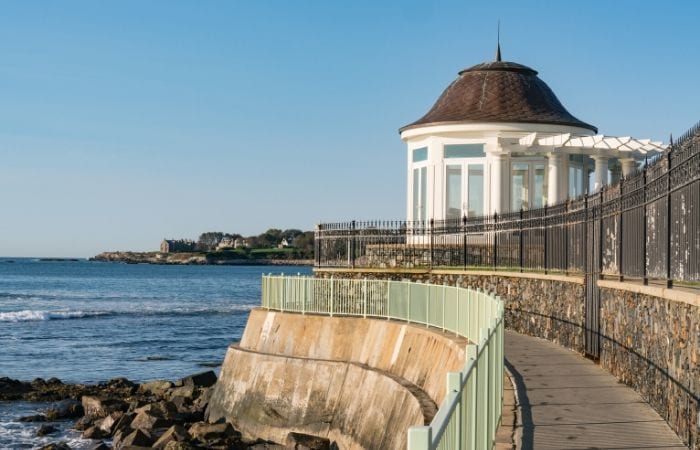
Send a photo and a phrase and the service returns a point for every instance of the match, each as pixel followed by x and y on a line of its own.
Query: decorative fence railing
pixel 646 227
pixel 471 412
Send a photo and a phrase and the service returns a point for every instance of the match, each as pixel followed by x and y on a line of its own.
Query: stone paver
pixel 569 402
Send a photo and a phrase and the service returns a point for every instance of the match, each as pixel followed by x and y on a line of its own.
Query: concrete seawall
pixel 359 382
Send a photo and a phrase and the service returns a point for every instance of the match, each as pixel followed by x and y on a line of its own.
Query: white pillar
pixel 553 178
pixel 564 178
pixel 601 172
pixel 497 191
pixel 628 167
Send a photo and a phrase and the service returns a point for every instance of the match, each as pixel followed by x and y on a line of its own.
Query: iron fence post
pixel 669 280
pixel 464 240
pixel 621 275
pixel 352 243
pixel 432 243
pixel 520 244
pixel 544 226
pixel 645 278
pixel 495 240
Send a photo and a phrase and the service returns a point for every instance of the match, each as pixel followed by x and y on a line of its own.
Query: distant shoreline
pixel 194 259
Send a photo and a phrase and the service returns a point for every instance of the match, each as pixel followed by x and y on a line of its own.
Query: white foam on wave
pixel 29 315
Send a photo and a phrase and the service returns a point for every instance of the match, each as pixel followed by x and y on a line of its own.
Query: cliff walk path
pixel 568 402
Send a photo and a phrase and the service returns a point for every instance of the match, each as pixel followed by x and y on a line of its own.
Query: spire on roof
pixel 498 46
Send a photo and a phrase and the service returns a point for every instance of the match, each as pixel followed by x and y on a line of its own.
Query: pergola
pixel 600 148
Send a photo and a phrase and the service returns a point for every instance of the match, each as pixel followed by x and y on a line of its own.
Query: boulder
pixel 108 424
pixel 96 407
pixel 156 387
pixel 56 446
pixel 11 389
pixel 174 445
pixel 84 423
pixel 300 441
pixel 123 424
pixel 46 430
pixel 204 379
pixel 208 431
pixel 101 446
pixel 53 381
pixel 34 418
pixel 203 397
pixel 162 409
pixel 94 432
pixel 136 437
pixel 120 383
pixel 176 433
pixel 147 422
pixel 182 404
pixel 183 391
pixel 65 409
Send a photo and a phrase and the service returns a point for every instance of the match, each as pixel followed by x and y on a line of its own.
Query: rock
pixel 147 422
pixel 123 424
pixel 300 441
pixel 96 407
pixel 94 432
pixel 84 423
pixel 53 381
pixel 13 389
pixel 203 398
pixel 162 409
pixel 182 404
pixel 156 387
pixel 102 446
pixel 208 431
pixel 135 447
pixel 136 437
pixel 266 446
pixel 176 433
pixel 56 446
pixel 46 430
pixel 183 391
pixel 108 424
pixel 173 445
pixel 34 418
pixel 66 409
pixel 121 383
pixel 204 379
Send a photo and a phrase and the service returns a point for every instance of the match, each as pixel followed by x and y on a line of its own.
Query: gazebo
pixel 498 140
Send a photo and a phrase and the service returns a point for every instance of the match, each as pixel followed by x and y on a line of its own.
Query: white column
pixel 628 167
pixel 496 190
pixel 601 172
pixel 553 178
pixel 564 178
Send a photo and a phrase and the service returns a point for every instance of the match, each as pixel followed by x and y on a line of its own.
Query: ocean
pixel 88 322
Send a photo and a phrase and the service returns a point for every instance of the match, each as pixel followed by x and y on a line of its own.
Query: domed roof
pixel 498 91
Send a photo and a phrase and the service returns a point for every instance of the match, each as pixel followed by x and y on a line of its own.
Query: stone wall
pixel 550 307
pixel 653 345
pixel 650 337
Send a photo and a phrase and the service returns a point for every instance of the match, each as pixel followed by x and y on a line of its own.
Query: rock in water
pixel 46 430
pixel 204 379
pixel 56 446
pixel 136 437
pixel 65 409
pixel 94 432
pixel 34 418
pixel 156 387
pixel 300 441
pixel 176 433
pixel 98 408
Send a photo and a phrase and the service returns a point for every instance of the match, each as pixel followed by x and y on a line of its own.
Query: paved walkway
pixel 568 402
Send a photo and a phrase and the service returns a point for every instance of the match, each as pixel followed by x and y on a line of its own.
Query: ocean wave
pixel 29 315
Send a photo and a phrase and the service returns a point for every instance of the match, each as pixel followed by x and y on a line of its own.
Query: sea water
pixel 88 322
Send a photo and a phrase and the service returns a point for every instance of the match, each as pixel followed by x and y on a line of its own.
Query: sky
pixel 123 123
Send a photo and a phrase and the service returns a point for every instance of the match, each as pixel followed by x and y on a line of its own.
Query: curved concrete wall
pixel 267 396
pixel 650 337
pixel 420 355
pixel 359 382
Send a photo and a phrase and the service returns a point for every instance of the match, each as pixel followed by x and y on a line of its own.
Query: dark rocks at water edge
pixel 159 414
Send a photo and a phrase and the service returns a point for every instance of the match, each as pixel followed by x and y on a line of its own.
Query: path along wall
pixel 348 379
pixel 650 337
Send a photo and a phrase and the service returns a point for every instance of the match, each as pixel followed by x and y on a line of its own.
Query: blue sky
pixel 126 122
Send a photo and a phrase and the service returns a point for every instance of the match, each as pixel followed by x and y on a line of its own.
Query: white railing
pixel 471 412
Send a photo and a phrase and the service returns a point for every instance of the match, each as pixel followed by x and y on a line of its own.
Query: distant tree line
pixel 296 240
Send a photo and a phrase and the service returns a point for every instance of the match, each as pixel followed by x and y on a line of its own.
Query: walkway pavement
pixel 569 402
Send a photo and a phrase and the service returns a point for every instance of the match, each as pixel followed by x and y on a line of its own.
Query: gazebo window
pixel 420 193
pixel 420 154
pixel 475 204
pixel 528 185
pixel 464 151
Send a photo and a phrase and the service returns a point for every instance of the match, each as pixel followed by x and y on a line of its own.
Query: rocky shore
pixel 123 415
pixel 193 259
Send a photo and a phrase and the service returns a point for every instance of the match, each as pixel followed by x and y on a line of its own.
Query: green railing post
pixel 419 438
pixel 454 384
pixel 483 390
pixel 332 296
pixel 408 302
pixel 364 303
pixel 444 288
pixel 388 298
pixel 472 381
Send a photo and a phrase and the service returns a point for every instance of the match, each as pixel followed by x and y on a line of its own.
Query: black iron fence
pixel 646 227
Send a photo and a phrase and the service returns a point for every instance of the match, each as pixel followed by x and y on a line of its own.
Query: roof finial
pixel 498 46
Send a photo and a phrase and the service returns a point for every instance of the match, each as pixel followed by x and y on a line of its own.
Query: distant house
pixel 177 245
pixel 226 243
pixel 285 243
pixel 240 243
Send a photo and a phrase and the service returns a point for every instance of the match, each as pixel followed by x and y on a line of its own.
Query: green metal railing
pixel 471 411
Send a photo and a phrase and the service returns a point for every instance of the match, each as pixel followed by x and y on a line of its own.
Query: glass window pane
pixel 464 151
pixel 476 190
pixel 539 196
pixel 520 183
pixel 453 191
pixel 416 194
pixel 575 181
pixel 420 154
pixel 424 193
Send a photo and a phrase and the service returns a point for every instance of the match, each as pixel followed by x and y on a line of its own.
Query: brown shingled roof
pixel 498 92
